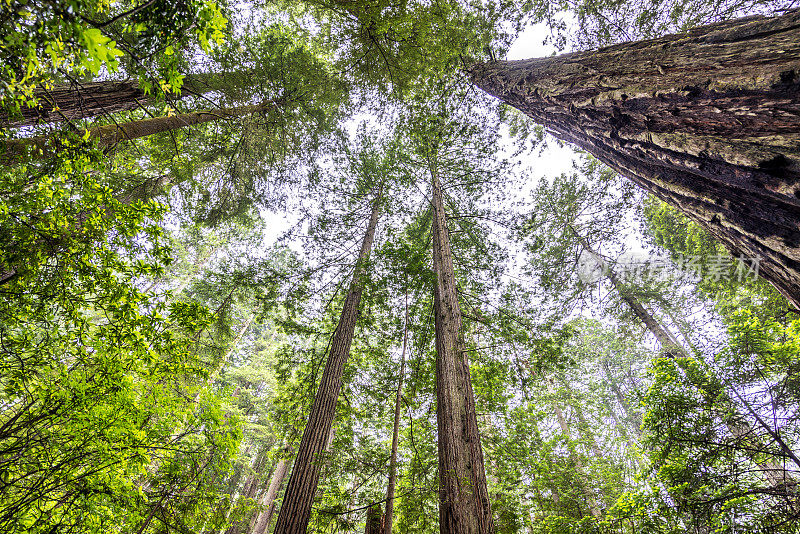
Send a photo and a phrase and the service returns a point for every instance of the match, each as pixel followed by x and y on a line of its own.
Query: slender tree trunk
pixel 296 509
pixel 78 101
pixel 776 474
pixel 41 147
pixel 464 506
pixel 707 121
pixel 562 422
pixel 388 515
pixel 268 501
pixel 262 521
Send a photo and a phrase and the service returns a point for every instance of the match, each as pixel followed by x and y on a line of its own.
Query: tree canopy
pixel 285 267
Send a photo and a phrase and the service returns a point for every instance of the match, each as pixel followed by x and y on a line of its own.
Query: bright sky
pixel 554 160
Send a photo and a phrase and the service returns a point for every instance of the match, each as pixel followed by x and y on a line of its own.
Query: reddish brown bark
pixel 708 121
pixel 78 101
pixel 296 509
pixel 464 506
pixel 42 147
pixel 268 501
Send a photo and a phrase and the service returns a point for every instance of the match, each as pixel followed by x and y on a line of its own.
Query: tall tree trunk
pixel 92 99
pixel 707 121
pixel 42 147
pixel 464 506
pixel 268 501
pixel 562 422
pixel 262 521
pixel 583 424
pixel 388 515
pixel 775 473
pixel 373 525
pixel 296 509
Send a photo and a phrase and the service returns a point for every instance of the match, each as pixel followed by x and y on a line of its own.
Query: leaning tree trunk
pixel 388 515
pixel 45 146
pixel 296 509
pixel 775 473
pixel 268 501
pixel 79 101
pixel 464 506
pixel 708 121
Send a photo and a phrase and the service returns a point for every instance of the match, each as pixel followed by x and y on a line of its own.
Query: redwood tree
pixel 464 506
pixel 708 121
pixel 296 509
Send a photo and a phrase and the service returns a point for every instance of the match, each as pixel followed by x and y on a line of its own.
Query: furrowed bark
pixel 387 521
pixel 707 121
pixel 78 101
pixel 464 506
pixel 42 147
pixel 296 509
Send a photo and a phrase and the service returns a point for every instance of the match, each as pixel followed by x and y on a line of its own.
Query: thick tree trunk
pixel 296 509
pixel 79 101
pixel 464 506
pixel 708 121
pixel 42 147
pixel 388 515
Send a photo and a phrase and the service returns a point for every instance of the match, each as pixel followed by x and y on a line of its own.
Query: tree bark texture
pixel 296 509
pixel 464 506
pixel 707 121
pixel 42 147
pixel 78 101
pixel 388 515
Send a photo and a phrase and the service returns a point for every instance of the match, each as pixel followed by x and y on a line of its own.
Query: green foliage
pixel 158 359
pixel 81 37
pixel 731 283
